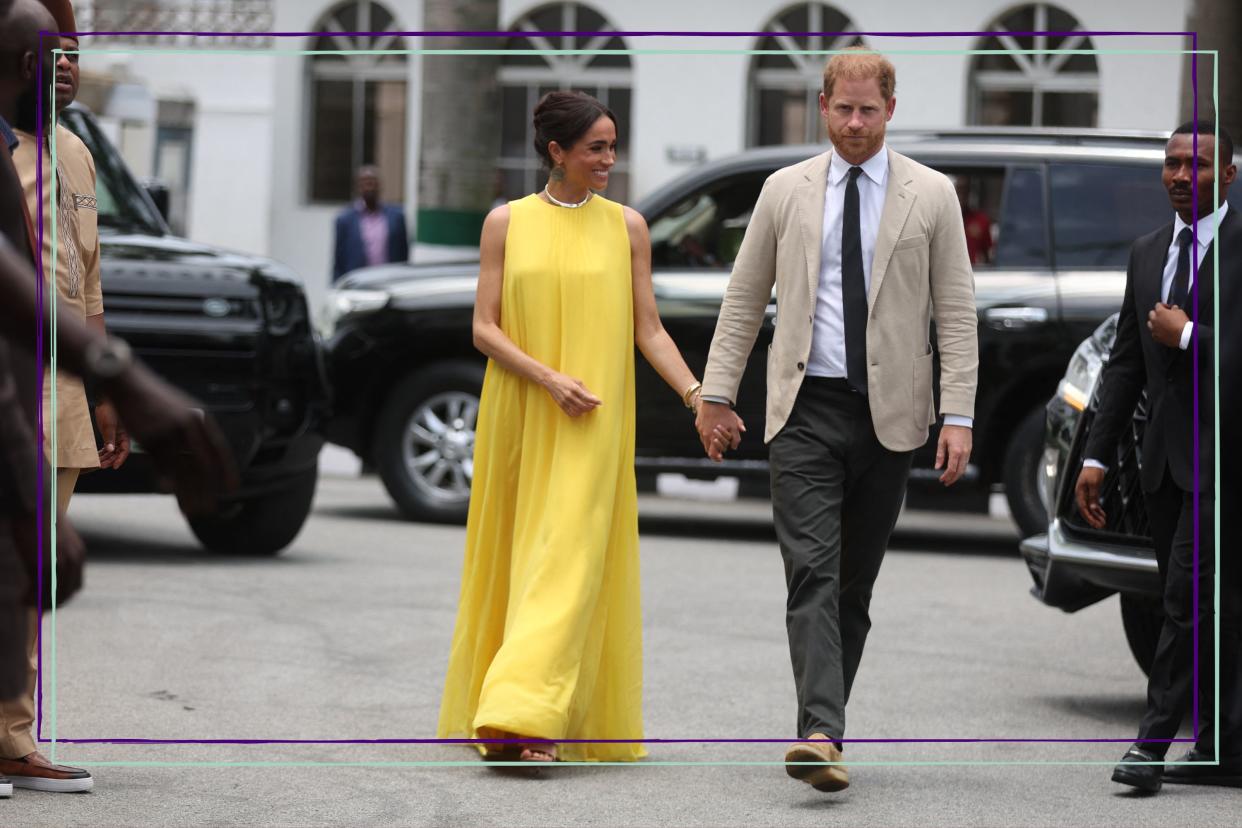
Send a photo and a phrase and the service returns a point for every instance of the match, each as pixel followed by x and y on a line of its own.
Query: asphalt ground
pixel 345 636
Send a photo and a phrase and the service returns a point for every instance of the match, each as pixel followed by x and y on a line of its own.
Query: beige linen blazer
pixel 921 271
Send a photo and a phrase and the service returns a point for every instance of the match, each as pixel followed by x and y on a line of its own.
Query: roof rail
pixel 1063 135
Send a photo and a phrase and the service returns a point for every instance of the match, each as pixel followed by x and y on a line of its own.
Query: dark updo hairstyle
pixel 564 117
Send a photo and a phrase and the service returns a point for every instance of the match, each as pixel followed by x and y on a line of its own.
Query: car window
pixel 979 191
pixel 1002 214
pixel 1098 210
pixel 1023 236
pixel 705 229
pixel 121 201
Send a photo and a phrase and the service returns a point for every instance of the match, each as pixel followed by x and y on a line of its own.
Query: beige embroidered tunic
pixel 78 287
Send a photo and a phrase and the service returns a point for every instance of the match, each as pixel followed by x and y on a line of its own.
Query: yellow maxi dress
pixel 548 641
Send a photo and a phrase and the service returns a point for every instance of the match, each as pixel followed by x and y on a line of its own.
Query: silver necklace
pixel 553 199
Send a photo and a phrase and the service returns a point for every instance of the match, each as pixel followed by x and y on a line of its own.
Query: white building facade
pixel 259 142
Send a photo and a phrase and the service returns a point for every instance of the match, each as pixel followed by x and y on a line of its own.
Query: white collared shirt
pixel 828 335
pixel 1206 231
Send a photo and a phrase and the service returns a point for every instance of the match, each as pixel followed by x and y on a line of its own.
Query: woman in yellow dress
pixel 548 643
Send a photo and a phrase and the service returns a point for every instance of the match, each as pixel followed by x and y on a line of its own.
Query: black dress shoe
pixel 1144 777
pixel 1228 773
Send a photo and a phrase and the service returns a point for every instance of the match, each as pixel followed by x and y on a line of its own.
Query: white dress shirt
pixel 1206 231
pixel 828 335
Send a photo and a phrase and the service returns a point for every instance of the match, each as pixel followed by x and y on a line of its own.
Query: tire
pixel 1142 620
pixel 424 442
pixel 1024 489
pixel 263 525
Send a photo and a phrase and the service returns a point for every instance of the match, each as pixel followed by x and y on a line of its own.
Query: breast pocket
pixel 918 240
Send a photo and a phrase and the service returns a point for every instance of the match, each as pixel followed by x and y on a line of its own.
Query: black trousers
pixel 836 494
pixel 1170 687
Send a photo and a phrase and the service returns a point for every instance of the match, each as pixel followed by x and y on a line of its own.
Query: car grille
pixel 181 306
pixel 200 327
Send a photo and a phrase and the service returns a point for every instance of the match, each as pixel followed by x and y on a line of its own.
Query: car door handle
pixel 1012 318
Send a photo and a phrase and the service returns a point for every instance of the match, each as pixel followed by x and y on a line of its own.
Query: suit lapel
pixel 898 201
pixel 1149 289
pixel 1152 282
pixel 1201 289
pixel 1206 277
pixel 810 200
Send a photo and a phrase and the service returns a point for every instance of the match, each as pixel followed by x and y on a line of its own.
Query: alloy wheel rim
pixel 437 446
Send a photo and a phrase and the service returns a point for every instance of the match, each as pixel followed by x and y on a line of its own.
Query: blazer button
pixel 801 366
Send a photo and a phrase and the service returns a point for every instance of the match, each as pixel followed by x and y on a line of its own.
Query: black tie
pixel 1180 289
pixel 853 288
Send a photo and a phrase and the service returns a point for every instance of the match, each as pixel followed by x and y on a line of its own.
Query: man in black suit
pixel 1171 273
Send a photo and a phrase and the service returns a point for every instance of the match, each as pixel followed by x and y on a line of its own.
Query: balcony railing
pixel 235 24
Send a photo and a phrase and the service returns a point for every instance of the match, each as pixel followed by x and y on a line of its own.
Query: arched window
pixel 784 88
pixel 357 109
pixel 526 77
pixel 1035 89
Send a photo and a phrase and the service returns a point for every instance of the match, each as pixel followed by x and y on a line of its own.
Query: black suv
pixel 233 331
pixel 1058 211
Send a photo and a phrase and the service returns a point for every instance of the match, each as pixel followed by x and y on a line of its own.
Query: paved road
pixel 345 637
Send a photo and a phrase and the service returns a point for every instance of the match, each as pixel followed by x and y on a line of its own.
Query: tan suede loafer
pixel 828 778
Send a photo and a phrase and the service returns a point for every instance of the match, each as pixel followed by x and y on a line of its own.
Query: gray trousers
pixel 836 494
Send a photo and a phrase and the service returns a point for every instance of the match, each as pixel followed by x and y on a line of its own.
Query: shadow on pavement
pixel 1120 711
pixel 1000 541
pixel 368 511
pixel 113 546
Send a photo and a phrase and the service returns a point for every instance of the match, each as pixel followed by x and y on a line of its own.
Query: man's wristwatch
pixel 106 361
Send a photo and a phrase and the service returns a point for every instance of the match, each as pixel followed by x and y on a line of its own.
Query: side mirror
pixel 158 191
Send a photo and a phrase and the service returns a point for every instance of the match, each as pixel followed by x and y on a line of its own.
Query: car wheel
pixel 260 525
pixel 424 442
pixel 1142 620
pixel 1023 485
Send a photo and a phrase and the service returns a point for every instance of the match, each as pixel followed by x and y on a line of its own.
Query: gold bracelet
pixel 685 395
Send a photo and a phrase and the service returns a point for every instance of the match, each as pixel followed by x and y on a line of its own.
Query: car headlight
pixel 1080 378
pixel 340 304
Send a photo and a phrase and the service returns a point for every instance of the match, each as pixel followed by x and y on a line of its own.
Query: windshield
pixel 123 205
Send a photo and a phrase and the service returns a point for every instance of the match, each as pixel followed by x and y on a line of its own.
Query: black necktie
pixel 1180 289
pixel 853 288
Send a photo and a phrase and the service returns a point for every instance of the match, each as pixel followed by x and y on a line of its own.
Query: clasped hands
pixel 719 427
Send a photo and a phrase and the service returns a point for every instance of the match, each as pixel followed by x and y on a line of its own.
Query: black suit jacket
pixel 1138 361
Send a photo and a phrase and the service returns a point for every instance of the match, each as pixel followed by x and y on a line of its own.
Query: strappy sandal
pixel 538 753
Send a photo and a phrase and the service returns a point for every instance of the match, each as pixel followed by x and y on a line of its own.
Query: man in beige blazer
pixel 864 247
